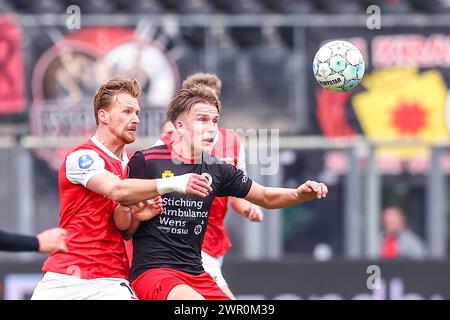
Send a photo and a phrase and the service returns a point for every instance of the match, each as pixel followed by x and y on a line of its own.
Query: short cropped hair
pixel 208 79
pixel 105 94
pixel 187 98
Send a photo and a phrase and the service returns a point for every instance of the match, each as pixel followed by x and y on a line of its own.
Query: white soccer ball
pixel 338 66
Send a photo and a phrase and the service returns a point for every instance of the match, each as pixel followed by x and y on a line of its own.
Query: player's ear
pixel 103 116
pixel 180 127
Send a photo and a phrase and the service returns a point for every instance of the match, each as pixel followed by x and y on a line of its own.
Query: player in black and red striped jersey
pixel 228 148
pixel 167 262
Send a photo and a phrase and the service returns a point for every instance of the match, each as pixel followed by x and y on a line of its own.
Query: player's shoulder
pixel 83 159
pixel 160 148
pixel 228 138
pixel 225 133
pixel 154 152
pixel 87 150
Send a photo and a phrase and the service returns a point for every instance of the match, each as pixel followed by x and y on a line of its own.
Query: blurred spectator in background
pixel 398 241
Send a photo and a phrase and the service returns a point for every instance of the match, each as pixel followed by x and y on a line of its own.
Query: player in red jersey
pixel 167 262
pixel 92 184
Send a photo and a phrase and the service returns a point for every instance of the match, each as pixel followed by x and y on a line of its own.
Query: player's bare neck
pixel 185 151
pixel 111 142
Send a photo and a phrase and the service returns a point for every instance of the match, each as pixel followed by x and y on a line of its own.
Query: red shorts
pixel 156 284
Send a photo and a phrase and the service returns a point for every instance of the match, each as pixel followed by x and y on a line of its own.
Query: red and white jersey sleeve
pixel 82 165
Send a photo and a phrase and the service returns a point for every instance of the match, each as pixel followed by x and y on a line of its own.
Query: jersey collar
pixel 124 159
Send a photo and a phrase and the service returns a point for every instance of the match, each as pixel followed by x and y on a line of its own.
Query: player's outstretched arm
pixel 131 191
pixel 44 242
pixel 273 198
pixel 52 240
pixel 247 209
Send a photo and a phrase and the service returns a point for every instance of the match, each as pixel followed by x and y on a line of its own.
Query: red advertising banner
pixel 12 79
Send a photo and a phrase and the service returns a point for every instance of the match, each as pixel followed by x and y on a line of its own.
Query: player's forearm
pixel 130 191
pixel 122 217
pixel 274 198
pixel 124 221
pixel 239 205
pixel 18 242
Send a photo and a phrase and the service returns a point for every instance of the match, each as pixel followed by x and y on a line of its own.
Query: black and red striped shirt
pixel 174 238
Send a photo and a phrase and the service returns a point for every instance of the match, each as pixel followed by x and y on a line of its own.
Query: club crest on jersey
pixel 208 177
pixel 167 174
pixel 197 229
pixel 84 162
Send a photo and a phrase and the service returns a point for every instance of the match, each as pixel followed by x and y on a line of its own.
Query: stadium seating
pixel 5 6
pixel 293 6
pixel 432 6
pixel 98 6
pixel 195 36
pixel 394 7
pixel 232 6
pixel 341 7
pixel 143 7
pixel 45 6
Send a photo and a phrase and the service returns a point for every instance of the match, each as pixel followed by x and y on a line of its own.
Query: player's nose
pixel 212 127
pixel 136 118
